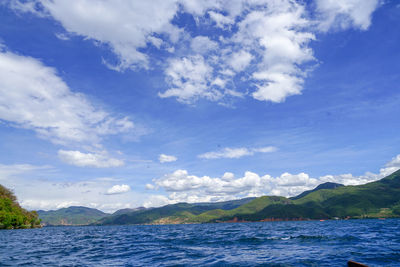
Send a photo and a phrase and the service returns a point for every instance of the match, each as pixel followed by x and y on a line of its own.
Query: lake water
pixel 311 243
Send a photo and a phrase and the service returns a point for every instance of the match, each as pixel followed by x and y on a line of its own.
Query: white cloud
pixel 150 187
pixel 272 37
pixel 202 44
pixel 263 42
pixel 39 187
pixel 156 201
pixel 7 171
pixel 190 78
pixel 342 14
pixel 118 189
pixel 32 96
pixel 183 187
pixel 240 60
pixel 167 158
pixel 99 160
pixel 234 153
pixel 349 179
pixel 221 20
pixel 62 36
pixel 125 26
pixel 266 149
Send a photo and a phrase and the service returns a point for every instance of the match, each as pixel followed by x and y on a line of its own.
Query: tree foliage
pixel 12 216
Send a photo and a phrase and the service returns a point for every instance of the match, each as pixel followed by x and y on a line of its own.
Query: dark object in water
pixel 355 264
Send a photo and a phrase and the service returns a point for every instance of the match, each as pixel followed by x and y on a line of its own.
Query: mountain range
pixel 327 201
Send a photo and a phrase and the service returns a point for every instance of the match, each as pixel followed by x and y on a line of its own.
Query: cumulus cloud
pixel 118 189
pixel 349 179
pixel 184 187
pixel 342 14
pixel 202 44
pixel 265 43
pixel 190 78
pixel 167 158
pixel 80 159
pixel 221 20
pixel 33 96
pixel 125 26
pixel 234 153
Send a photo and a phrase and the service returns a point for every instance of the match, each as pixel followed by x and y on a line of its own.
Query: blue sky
pixel 122 104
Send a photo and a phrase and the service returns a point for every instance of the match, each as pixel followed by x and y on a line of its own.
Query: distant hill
pixel 181 210
pixel 124 211
pixel 74 215
pixel 12 216
pixel 327 201
pixel 327 185
pixel 372 200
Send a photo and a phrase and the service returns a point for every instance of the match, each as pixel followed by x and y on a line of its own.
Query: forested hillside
pixel 12 216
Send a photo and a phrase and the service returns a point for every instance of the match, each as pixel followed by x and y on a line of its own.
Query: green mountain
pixel 371 200
pixel 124 211
pixel 74 215
pixel 12 216
pixel 327 185
pixel 183 211
pixel 327 201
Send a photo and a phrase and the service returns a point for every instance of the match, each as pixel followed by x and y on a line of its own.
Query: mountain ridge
pixel 73 215
pixel 327 185
pixel 327 201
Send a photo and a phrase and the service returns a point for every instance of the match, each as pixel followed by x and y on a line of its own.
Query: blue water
pixel 312 243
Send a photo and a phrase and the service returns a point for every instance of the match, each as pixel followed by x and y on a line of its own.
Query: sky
pixel 120 104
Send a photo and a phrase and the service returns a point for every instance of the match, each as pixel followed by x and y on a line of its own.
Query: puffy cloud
pixel 221 20
pixel 234 153
pixel 202 44
pixel 349 179
pixel 271 43
pixel 80 159
pixel 190 188
pixel 125 26
pixel 264 43
pixel 150 187
pixel 32 96
pixel 118 189
pixel 183 187
pixel 240 60
pixel 343 14
pixel 167 158
pixel 190 78
pixel 156 201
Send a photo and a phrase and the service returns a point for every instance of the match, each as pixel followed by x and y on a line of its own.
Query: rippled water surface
pixel 313 243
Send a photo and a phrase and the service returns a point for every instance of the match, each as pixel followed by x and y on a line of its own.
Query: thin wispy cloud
pixel 167 158
pixel 97 160
pixel 235 153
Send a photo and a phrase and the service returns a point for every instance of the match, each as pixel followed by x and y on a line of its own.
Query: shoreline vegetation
pixel 329 201
pixel 12 216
